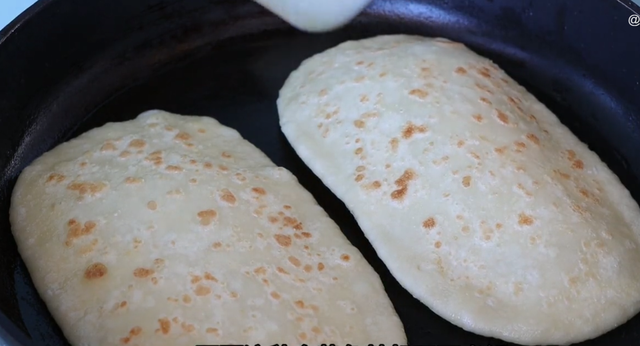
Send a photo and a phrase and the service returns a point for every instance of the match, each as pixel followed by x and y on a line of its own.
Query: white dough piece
pixel 315 15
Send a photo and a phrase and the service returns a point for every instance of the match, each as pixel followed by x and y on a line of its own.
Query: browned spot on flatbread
pixel 282 271
pixel 429 223
pixel 143 273
pixel 466 181
pixel 406 177
pixel 275 295
pixel 108 146
pixel 152 205
pixel 182 137
pixel 87 188
pixel 294 261
pixel 484 72
pixel 125 154
pixel 359 177
pixel 308 268
pixel 374 185
pixel 577 164
pixel 202 290
pixel 260 271
pixel 227 197
pixel 292 222
pixel 165 325
pixel 135 331
pixel 76 230
pixel 525 220
pixel 320 266
pixel 95 271
pixel 419 93
pixel 460 144
pixel 207 216
pixel 502 117
pixel 187 327
pixel 359 123
pixel 578 209
pixel 369 115
pixel 259 191
pixel 209 277
pixel 155 158
pixel 533 138
pixel 410 129
pixel 133 181
pixel 461 70
pixel 330 115
pixel 137 144
pixel 485 101
pixel 299 304
pixel 478 118
pixel 403 184
pixel 520 145
pixel 394 144
pixel 484 88
pixel 55 178
pixel 524 190
pixel 500 150
pixel 174 169
pixel 283 240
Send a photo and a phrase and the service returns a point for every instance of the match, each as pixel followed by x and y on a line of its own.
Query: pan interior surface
pixel 109 60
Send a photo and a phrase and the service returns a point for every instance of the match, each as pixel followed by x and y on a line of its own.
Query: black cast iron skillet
pixel 70 65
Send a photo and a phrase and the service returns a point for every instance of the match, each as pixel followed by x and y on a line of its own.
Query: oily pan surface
pixel 481 203
pixel 170 229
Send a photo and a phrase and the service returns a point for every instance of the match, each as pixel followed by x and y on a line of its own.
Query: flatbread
pixel 173 230
pixel 315 15
pixel 480 202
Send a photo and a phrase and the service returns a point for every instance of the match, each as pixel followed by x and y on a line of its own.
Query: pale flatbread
pixel 315 15
pixel 173 230
pixel 481 203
